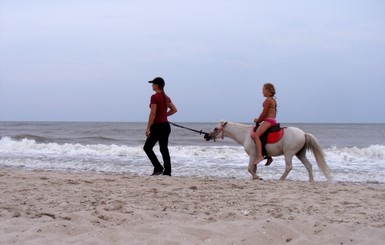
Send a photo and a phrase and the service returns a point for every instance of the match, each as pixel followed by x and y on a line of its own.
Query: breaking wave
pixel 351 164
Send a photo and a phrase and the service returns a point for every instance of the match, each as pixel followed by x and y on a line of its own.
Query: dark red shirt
pixel 161 107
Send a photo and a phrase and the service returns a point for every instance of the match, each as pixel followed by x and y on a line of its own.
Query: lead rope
pixel 194 130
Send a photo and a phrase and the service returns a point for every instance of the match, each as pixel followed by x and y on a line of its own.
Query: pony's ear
pixel 223 123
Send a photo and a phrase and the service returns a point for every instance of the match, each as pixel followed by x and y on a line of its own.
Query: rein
pixel 194 130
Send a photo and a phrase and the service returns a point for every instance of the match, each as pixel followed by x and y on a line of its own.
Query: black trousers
pixel 159 132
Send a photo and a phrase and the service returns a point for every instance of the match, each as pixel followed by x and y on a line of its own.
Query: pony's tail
pixel 312 144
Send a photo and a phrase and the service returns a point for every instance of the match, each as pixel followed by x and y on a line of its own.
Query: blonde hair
pixel 270 87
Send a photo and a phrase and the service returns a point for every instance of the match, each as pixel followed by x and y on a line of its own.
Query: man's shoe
pixel 156 173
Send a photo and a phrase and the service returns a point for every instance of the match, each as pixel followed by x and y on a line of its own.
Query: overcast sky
pixel 90 60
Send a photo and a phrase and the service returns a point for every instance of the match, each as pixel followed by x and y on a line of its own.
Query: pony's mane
pixel 237 124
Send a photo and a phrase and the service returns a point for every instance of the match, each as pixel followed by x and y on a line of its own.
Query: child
pixel 266 118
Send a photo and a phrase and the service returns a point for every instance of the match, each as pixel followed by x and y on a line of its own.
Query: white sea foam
pixel 347 164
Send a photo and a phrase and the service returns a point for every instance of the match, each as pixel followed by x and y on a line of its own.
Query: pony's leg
pixel 288 168
pixel 253 169
pixel 302 157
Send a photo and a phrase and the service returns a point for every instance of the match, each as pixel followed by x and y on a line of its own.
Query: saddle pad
pixel 273 137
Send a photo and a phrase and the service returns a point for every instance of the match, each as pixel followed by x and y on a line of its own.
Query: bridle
pixel 218 131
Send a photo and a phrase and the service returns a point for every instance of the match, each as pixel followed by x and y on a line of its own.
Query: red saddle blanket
pixel 271 136
pixel 274 137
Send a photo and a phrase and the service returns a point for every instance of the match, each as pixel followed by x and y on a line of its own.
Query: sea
pixel 355 153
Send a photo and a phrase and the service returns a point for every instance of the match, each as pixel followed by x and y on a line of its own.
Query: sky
pixel 91 60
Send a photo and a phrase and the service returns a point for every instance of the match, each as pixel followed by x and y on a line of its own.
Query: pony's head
pixel 217 130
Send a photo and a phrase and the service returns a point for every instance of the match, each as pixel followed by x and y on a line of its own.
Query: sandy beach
pixel 46 207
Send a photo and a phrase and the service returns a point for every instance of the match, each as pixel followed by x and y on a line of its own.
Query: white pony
pixel 294 142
